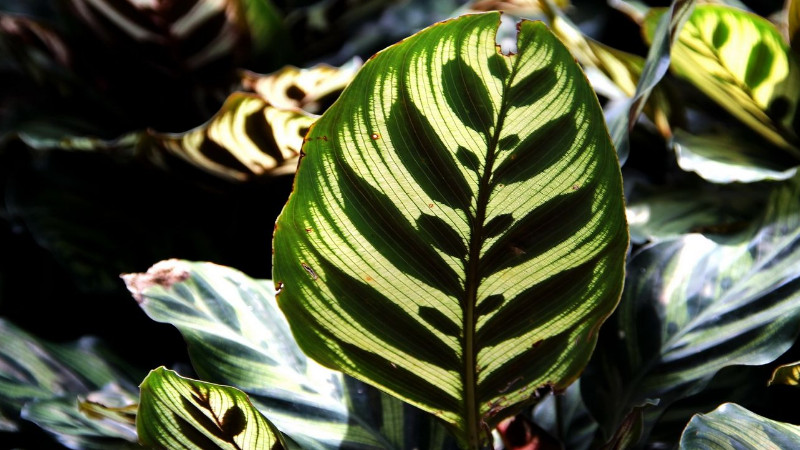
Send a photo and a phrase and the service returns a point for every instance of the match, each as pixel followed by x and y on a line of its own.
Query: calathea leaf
pixel 694 305
pixel 177 412
pixel 742 62
pixel 237 336
pixel 732 427
pixel 456 234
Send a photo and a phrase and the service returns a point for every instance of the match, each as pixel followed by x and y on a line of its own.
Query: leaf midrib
pixel 472 281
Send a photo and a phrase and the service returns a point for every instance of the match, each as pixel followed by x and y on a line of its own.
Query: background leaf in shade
pixel 445 189
pixel 45 383
pixel 741 61
pixel 694 305
pixel 732 427
pixel 728 158
pixel 178 412
pixel 237 336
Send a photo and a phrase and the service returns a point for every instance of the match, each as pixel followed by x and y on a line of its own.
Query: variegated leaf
pixel 237 336
pixel 177 412
pixel 731 427
pixel 456 234
pixel 741 61
pixel 696 304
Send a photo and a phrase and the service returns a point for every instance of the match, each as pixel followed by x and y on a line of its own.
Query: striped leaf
pixel 741 61
pixel 248 138
pixel 310 89
pixel 731 427
pixel 237 336
pixel 177 412
pixel 788 374
pixel 696 304
pixel 456 233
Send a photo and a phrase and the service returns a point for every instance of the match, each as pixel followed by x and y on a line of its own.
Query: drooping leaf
pixel 655 67
pixel 741 62
pixel 177 412
pixel 237 336
pixel 456 233
pixel 727 158
pixel 732 427
pixel 246 139
pixel 695 304
pixel 44 382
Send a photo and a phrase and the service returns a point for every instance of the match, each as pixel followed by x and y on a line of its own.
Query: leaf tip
pixel 164 273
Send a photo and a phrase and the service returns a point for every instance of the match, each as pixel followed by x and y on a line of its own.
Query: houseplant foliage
pixel 447 271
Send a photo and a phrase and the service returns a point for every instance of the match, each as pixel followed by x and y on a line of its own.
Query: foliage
pixel 575 233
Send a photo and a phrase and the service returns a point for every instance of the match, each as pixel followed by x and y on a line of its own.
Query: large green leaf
pixel 237 336
pixel 741 61
pixel 177 412
pixel 732 427
pixel 696 304
pixel 456 235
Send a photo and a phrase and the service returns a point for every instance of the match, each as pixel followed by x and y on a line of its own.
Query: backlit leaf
pixel 177 412
pixel 741 61
pixel 788 374
pixel 456 233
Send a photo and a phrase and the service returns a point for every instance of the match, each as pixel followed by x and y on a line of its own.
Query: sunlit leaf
pixel 309 89
pixel 726 158
pixel 248 138
pixel 788 374
pixel 177 412
pixel 696 304
pixel 741 62
pixel 732 427
pixel 456 233
pixel 237 336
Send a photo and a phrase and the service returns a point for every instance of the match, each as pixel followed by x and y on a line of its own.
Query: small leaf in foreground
pixel 177 412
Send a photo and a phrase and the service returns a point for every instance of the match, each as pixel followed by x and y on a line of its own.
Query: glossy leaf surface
pixel 237 336
pixel 732 427
pixel 456 234
pixel 742 62
pixel 177 412
pixel 695 304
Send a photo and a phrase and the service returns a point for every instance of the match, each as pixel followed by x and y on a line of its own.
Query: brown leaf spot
pixel 164 273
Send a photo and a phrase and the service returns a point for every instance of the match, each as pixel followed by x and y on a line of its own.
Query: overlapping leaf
pixel 237 336
pixel 456 234
pixel 695 304
pixel 732 427
pixel 44 382
pixel 741 61
pixel 177 412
